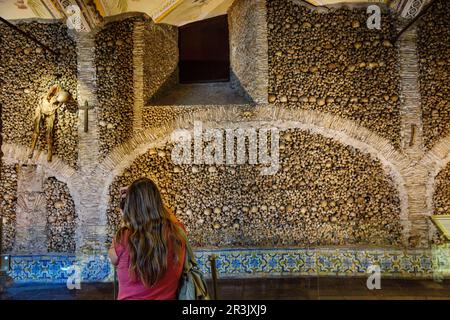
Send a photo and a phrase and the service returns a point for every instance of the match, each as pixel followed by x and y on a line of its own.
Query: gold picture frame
pixel 443 223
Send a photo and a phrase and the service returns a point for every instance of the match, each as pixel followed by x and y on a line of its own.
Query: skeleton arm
pixel 56 106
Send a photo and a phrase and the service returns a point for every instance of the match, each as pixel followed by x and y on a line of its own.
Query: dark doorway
pixel 204 51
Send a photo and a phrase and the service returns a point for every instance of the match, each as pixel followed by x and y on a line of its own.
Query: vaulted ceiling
pixel 176 12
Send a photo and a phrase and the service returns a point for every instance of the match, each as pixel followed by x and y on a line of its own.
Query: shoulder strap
pixel 189 260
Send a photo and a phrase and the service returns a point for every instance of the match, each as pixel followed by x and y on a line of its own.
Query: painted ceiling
pixel 176 12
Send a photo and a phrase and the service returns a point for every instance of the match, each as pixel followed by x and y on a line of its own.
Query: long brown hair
pixel 151 232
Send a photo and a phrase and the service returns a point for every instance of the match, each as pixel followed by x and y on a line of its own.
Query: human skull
pixel 63 96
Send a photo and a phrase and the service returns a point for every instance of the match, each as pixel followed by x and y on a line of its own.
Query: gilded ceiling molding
pixel 57 8
pixel 166 8
pixel 102 8
pixel 37 6
pixel 53 9
pixel 91 14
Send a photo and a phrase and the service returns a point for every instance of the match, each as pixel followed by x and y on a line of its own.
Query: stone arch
pixel 17 154
pixel 346 131
pixel 123 156
pixel 13 153
pixel 342 130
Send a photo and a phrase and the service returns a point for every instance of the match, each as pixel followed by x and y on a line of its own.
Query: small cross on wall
pixel 86 109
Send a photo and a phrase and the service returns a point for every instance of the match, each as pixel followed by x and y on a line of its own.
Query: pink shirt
pixel 133 289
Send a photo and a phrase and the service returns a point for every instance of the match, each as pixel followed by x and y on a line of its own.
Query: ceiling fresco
pixel 175 12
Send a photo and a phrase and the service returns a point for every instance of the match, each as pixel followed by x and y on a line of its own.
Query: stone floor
pixel 265 288
pixel 216 93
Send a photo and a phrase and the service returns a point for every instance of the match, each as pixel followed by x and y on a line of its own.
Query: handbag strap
pixel 189 261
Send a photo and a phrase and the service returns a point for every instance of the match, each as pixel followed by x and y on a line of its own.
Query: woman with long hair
pixel 148 250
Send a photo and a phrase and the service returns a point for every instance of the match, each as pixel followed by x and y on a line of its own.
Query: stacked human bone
pixel 324 193
pixel 28 71
pixel 8 200
pixel 441 197
pixel 330 61
pixel 61 217
pixel 434 61
pixel 160 59
pixel 114 61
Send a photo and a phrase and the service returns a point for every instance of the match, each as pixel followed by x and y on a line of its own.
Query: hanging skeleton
pixel 46 112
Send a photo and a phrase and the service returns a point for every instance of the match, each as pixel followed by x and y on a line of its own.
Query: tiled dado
pixel 251 263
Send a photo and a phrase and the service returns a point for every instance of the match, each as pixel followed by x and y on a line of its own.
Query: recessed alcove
pixel 215 93
pixel 204 51
pixel 220 61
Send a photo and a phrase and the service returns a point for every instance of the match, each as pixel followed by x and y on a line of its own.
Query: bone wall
pixel 325 193
pixel 248 48
pixel 114 61
pixel 8 200
pixel 442 192
pixel 441 197
pixel 160 59
pixel 331 62
pixel 157 116
pixel 28 71
pixel 61 217
pixel 434 50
